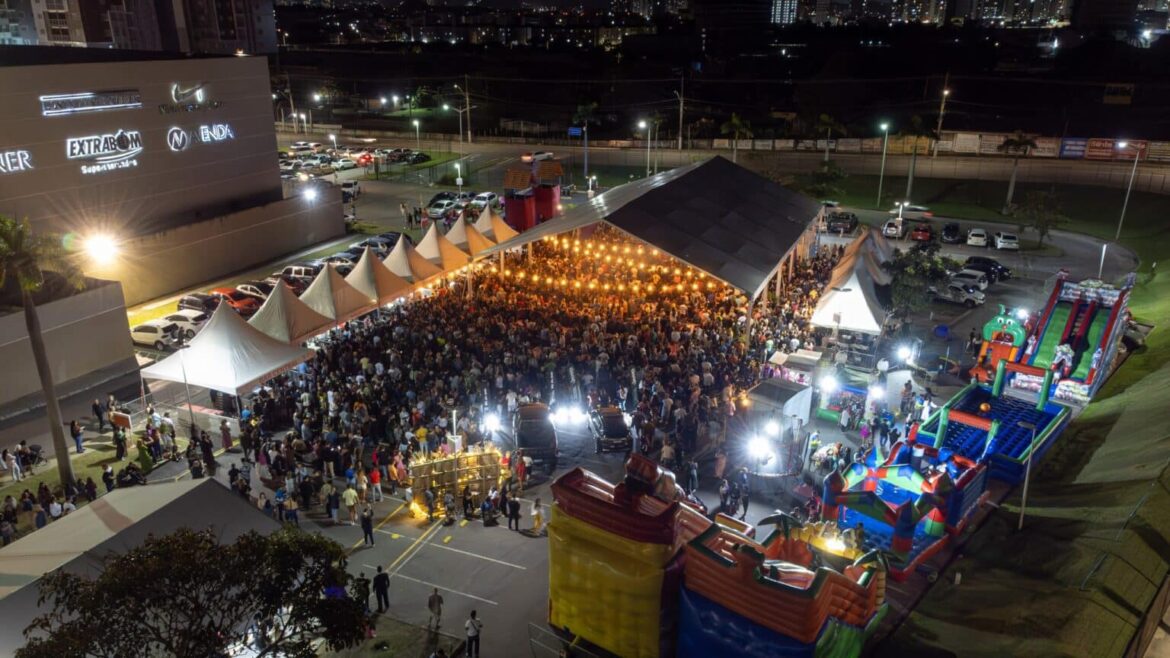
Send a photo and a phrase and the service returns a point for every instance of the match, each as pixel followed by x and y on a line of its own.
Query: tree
pixel 823 181
pixel 1016 145
pixel 24 257
pixel 828 124
pixel 912 274
pixel 1042 211
pixel 586 114
pixel 918 129
pixel 189 596
pixel 737 128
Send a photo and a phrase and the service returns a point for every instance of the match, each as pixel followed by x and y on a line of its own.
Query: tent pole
pixel 778 279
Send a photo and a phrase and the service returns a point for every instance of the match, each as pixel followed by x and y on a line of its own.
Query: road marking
pixel 381 523
pixel 393 535
pixel 482 557
pixel 446 589
pixel 402 558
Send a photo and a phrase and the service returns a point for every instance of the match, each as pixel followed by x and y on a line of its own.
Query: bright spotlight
pixel 904 353
pixel 491 423
pixel 311 194
pixel 759 448
pixel 876 391
pixel 102 249
pixel 828 384
pixel 772 428
pixel 1021 313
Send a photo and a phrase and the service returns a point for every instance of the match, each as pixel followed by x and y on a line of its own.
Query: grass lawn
pixel 392 171
pixel 613 175
pixel 401 640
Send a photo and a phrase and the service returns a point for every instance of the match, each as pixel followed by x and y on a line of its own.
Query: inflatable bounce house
pixel 1070 348
pixel 899 511
pixel 627 562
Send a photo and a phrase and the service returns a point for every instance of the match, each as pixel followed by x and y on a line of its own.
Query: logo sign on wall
pixel 56 105
pixel 12 162
pixel 178 139
pixel 188 98
pixel 105 152
pixel 216 132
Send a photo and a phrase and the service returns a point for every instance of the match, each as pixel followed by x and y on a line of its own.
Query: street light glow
pixel 1122 145
pixel 1022 313
pixel 311 194
pixel 446 107
pixel 415 122
pixel 641 125
pixel 383 99
pixel 759 448
pixel 316 98
pixel 772 428
pixel 102 249
pixel 884 127
pixel 491 423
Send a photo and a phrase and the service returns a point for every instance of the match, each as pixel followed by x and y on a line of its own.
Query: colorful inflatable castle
pixel 639 573
pixel 1003 340
pixel 899 511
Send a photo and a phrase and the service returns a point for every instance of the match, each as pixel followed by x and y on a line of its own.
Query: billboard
pixel 1099 148
pixel 871 145
pixel 1046 147
pixel 966 143
pixel 1158 151
pixel 989 143
pixel 1073 148
pixel 849 145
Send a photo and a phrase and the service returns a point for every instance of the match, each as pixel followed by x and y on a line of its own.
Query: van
pixel 535 435
pixel 303 270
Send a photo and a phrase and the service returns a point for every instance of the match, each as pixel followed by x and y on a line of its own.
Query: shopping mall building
pixel 172 160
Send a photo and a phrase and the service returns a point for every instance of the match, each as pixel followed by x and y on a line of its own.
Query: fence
pixel 545 643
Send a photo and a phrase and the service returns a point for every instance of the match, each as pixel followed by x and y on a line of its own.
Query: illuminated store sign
pixel 188 98
pixel 12 162
pixel 179 139
pixel 105 152
pixel 217 132
pixel 91 101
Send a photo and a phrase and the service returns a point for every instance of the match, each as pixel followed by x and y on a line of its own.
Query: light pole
pixel 643 126
pixel 459 178
pixel 460 111
pixel 467 107
pixel 1027 470
pixel 304 126
pixel 942 110
pixel 1125 205
pixel 333 138
pixel 394 98
pixel 882 175
pixel 417 138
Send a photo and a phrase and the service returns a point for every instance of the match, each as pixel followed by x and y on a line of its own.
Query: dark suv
pixel 610 432
pixel 842 222
pixel 994 270
pixel 199 301
pixel 535 435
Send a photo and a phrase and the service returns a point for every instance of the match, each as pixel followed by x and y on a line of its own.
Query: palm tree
pixel 25 256
pixel 828 124
pixel 1017 145
pixel 918 129
pixel 736 127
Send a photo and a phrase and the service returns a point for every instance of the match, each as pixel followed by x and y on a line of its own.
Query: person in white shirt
pixel 473 627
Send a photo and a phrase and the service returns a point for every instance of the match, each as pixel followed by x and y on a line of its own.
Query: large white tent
pixel 850 301
pixel 374 280
pixel 405 261
pixel 332 297
pixel 228 355
pixel 286 318
pixel 467 238
pixel 436 248
pixel 493 227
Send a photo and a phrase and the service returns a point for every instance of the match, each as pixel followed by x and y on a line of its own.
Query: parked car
pixel 260 290
pixel 379 244
pixel 291 166
pixel 536 156
pixel 297 285
pixel 535 435
pixel 417 158
pixel 351 188
pixel 842 222
pixel 1007 241
pixel 307 270
pixel 440 208
pixel 913 212
pixel 159 334
pixel 442 196
pixel 959 294
pixel 243 304
pixel 344 163
pixel 610 431
pixel 977 237
pixel 971 278
pixel 394 237
pixel 343 258
pixel 188 321
pixel 952 234
pixel 198 301
pixel 484 199
pixel 1000 271
pixel 894 229
pixel 922 233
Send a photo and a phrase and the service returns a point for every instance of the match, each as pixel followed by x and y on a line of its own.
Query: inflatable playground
pixel 898 510
pixel 638 572
pixel 1070 347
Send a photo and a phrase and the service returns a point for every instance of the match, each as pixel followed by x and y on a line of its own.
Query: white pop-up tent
pixel 286 318
pixel 850 300
pixel 436 248
pixel 467 238
pixel 332 297
pixel 229 355
pixel 405 261
pixel 493 227
pixel 374 280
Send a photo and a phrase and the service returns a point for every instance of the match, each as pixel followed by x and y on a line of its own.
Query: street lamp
pixel 942 110
pixel 304 126
pixel 1027 470
pixel 101 249
pixel 316 98
pixel 459 178
pixel 882 176
pixel 333 138
pixel 643 126
pixel 1125 205
pixel 417 138
pixel 394 97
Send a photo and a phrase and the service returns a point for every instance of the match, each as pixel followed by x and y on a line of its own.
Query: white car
pixel 440 208
pixel 971 278
pixel 351 188
pixel 913 212
pixel 379 244
pixel 189 321
pixel 1007 241
pixel 959 294
pixel 977 237
pixel 159 334
pixel 344 163
pixel 291 166
pixel 894 229
pixel 537 156
pixel 484 199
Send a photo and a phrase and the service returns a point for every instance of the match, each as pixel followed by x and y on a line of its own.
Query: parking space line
pixel 482 557
pixel 380 524
pixel 447 589
pixel 395 535
pixel 410 551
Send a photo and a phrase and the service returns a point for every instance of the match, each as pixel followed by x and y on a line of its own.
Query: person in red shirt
pixel 376 484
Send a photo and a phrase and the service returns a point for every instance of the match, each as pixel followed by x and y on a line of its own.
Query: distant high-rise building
pixel 17 25
pixel 783 12
pixel 1105 14
pixel 732 24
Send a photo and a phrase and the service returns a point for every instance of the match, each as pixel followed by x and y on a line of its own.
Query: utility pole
pixel 682 81
pixel 942 110
pixel 467 104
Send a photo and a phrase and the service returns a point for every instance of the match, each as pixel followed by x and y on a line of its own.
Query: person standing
pixel 225 435
pixel 435 606
pixel 368 525
pixel 382 590
pixel 473 627
pixel 514 514
pixel 537 517
pixel 119 443
pixel 99 412
pixel 75 432
pixel 108 478
pixel 429 495
pixel 350 498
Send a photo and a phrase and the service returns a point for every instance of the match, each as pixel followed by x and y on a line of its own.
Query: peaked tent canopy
pixel 493 227
pixel 405 261
pixel 374 280
pixel 436 248
pixel 332 297
pixel 467 238
pixel 717 216
pixel 850 301
pixel 228 355
pixel 286 318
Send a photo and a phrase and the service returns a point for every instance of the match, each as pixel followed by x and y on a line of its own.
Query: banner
pixel 871 145
pixel 1099 148
pixel 989 143
pixel 722 144
pixel 745 144
pixel 821 145
pixel 966 143
pixel 762 145
pixel 806 145
pixel 946 145
pixel 785 144
pixel 1073 148
pixel 1158 151
pixel 1046 147
pixel 849 145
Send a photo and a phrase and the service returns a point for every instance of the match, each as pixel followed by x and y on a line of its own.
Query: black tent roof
pixel 715 215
